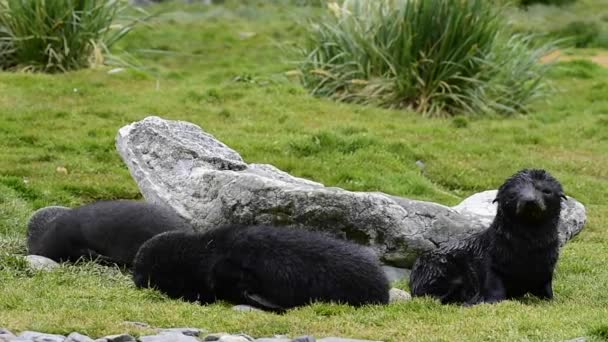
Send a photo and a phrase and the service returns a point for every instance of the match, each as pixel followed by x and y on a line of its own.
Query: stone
pixel 40 263
pixel 304 339
pixel 235 338
pixel 275 338
pixel 6 332
pixel 6 335
pixel 578 339
pixel 40 337
pixel 177 164
pixel 7 338
pixel 480 206
pixel 168 337
pixel 245 308
pixel 396 273
pixel 214 336
pixel 76 337
pixel 397 295
pixel 194 332
pixel 137 324
pixel 338 339
pixel 117 338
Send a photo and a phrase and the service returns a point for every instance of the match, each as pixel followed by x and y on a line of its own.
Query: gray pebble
pixel 76 337
pixel 397 295
pixel 117 338
pixel 184 331
pixel 275 338
pixel 168 337
pixel 338 339
pixel 304 339
pixel 6 338
pixel 40 337
pixel 578 339
pixel 138 324
pixel 245 308
pixel 214 337
pixel 396 273
pixel 6 332
pixel 40 263
pixel 420 164
pixel 235 338
pixel 6 335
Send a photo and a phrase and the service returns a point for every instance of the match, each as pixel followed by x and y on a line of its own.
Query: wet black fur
pixel 106 231
pixel 515 256
pixel 269 267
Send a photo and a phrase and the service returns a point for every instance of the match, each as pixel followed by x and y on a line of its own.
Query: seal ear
pixel 561 195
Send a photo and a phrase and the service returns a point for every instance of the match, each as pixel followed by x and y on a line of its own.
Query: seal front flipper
pixel 261 302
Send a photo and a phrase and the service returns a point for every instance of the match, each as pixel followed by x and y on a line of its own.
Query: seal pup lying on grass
pixel 106 231
pixel 516 255
pixel 267 267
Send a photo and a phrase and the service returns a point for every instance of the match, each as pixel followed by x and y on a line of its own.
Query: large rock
pixel 176 163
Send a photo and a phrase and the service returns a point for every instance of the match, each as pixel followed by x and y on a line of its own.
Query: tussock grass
pixel 58 35
pixel 546 2
pixel 438 57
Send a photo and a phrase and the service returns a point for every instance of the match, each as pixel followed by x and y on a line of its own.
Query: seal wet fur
pixel 274 268
pixel 515 256
pixel 107 231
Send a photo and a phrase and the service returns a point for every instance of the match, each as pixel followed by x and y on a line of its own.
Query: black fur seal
pixel 515 256
pixel 268 267
pixel 106 231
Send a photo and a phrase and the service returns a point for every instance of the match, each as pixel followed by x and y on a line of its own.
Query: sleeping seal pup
pixel 273 268
pixel 106 231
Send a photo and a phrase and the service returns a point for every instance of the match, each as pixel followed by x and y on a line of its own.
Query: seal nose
pixel 529 203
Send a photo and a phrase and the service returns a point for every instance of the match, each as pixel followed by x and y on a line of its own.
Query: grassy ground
pixel 224 69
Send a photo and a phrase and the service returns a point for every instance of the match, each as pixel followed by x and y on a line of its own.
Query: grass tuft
pixel 58 35
pixel 438 57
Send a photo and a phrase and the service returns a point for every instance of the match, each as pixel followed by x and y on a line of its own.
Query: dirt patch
pixel 600 58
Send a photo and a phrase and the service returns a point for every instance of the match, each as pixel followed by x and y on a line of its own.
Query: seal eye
pixel 547 192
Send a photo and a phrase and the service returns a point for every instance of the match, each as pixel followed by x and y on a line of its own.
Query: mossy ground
pixel 224 68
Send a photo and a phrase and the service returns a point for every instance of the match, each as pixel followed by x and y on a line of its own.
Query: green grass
pixel 205 70
pixel 584 23
pixel 546 2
